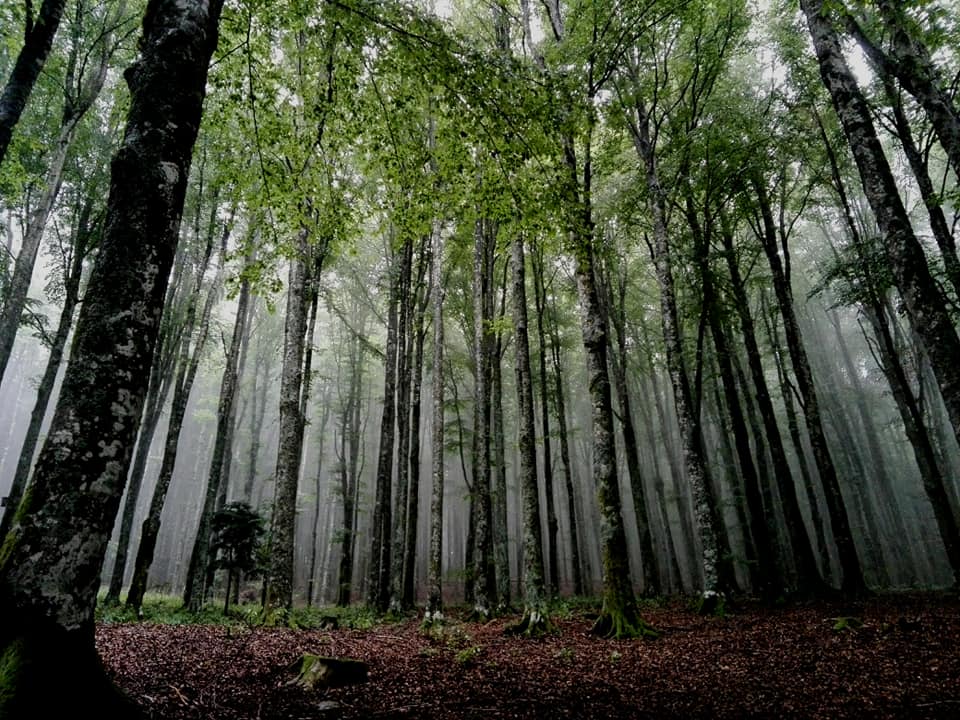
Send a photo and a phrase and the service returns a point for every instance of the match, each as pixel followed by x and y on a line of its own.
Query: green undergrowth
pixel 169 610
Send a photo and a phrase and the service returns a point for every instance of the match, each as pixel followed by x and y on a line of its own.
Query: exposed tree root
pixel 534 624
pixel 617 626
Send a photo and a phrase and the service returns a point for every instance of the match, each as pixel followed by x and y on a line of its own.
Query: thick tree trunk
pixel 52 558
pixel 83 238
pixel 924 301
pixel 279 588
pixel 30 61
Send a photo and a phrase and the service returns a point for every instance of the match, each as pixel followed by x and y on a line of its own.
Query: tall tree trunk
pixel 553 560
pixel 560 395
pixel 317 503
pixel 534 619
pixel 434 609
pixel 38 39
pixel 52 558
pixel 422 298
pixel 808 577
pixel 706 509
pixel 759 498
pixel 195 589
pixel 484 579
pixel 934 483
pixel 616 298
pixel 852 582
pixel 279 587
pixel 924 301
pixel 378 585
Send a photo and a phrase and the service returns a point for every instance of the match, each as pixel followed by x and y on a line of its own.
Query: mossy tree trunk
pixel 535 620
pixel 50 563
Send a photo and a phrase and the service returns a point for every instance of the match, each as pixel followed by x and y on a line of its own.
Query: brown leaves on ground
pixel 903 661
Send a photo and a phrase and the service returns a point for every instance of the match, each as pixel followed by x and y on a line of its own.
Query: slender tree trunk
pixel 934 483
pixel 30 61
pixel 195 589
pixel 413 482
pixel 498 491
pixel 618 362
pixel 553 560
pixel 569 485
pixel 52 558
pixel 534 591
pixel 709 521
pixel 317 504
pixel 378 585
pixel 808 577
pixel 434 609
pixel 852 582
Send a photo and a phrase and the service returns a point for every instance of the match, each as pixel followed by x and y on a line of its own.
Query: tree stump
pixel 315 672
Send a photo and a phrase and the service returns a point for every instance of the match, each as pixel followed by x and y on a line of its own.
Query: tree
pixel 236 531
pixel 38 39
pixel 51 560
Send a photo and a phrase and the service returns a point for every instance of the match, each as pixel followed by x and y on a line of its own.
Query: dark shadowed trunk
pixel 30 61
pixel 51 560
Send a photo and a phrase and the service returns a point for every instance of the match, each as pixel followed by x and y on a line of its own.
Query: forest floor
pixel 886 657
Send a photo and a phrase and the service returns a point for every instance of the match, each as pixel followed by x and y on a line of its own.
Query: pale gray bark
pixel 434 609
pixel 279 588
pixel 534 589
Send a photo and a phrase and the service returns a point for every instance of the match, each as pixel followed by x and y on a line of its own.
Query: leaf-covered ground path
pixel 904 661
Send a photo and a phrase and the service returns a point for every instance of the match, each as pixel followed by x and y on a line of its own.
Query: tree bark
pixel 52 558
pixel 30 61
pixel 187 365
pixel 534 591
pixel 924 301
pixel 852 582
pixel 434 609
pixel 279 587
pixel 195 590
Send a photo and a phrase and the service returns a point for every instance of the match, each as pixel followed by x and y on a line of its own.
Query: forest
pixel 571 358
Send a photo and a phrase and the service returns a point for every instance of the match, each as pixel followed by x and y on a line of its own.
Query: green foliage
pixel 846 623
pixel 468 656
pixel 237 532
